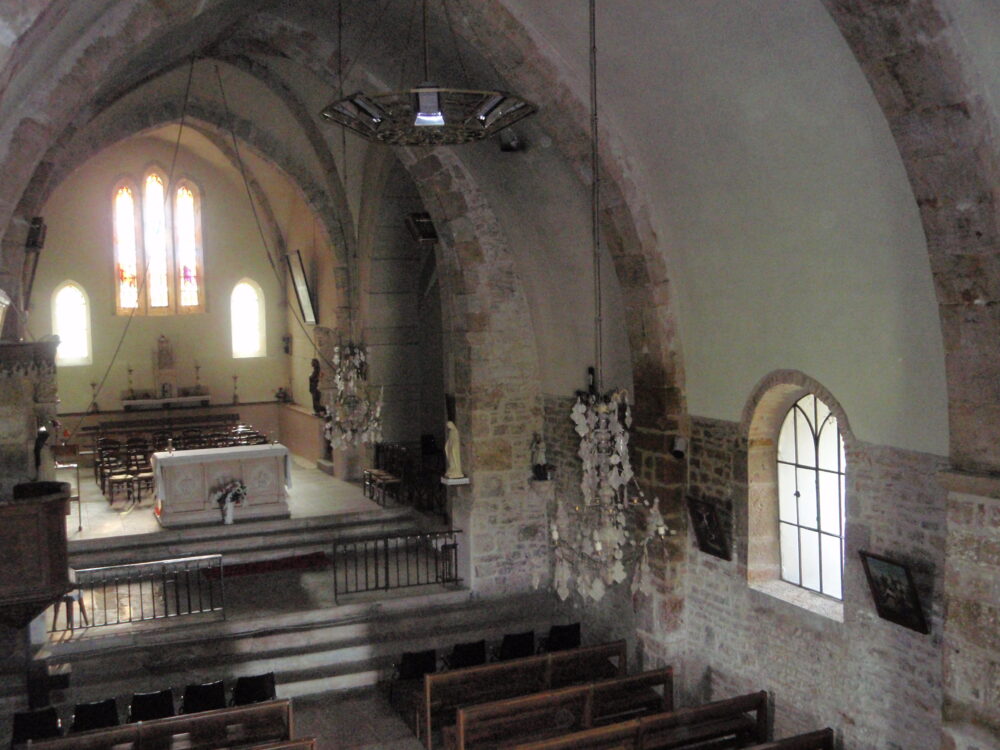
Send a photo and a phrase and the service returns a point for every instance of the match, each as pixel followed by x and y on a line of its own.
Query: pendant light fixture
pixel 428 114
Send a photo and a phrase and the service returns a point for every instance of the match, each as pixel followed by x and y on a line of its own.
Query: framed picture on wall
pixel 708 529
pixel 301 286
pixel 892 589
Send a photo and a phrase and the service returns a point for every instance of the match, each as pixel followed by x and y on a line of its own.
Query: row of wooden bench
pixel 256 727
pixel 580 698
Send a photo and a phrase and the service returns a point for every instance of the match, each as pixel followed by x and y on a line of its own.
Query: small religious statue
pixel 314 389
pixel 164 354
pixel 452 453
pixel 539 468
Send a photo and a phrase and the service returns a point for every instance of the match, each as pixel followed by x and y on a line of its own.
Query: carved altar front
pixel 187 483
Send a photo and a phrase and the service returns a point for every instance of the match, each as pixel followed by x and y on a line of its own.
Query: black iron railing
pixel 395 562
pixel 117 594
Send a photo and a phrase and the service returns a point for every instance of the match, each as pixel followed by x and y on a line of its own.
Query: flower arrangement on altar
pixel 354 417
pixel 610 532
pixel 231 493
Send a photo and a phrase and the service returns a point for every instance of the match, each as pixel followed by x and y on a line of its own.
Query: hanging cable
pixel 343 162
pixel 595 204
pixel 454 42
pixel 145 274
pixel 260 227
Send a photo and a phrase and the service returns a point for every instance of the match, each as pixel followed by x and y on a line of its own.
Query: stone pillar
pixel 971 711
pixel 27 401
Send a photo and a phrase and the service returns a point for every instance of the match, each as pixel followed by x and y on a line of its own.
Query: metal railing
pixel 395 562
pixel 137 592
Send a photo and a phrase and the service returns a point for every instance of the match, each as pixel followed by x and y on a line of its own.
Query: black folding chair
pixel 516 646
pixel 561 638
pixel 255 689
pixel 95 715
pixel 415 664
pixel 42 724
pixel 205 697
pixel 155 705
pixel 466 655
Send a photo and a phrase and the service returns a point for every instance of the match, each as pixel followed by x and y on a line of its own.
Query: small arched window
pixel 187 244
pixel 247 310
pixel 811 491
pixel 71 323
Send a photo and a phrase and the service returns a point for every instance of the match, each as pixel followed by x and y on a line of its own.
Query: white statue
pixel 538 451
pixel 452 453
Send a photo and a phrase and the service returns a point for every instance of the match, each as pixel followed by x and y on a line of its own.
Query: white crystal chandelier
pixel 355 416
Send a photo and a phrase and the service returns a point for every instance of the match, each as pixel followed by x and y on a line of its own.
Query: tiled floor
pixel 313 493
pixel 359 720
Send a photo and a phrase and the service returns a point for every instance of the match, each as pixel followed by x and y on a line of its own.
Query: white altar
pixel 187 483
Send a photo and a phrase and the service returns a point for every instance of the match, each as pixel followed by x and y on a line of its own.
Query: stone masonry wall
pixel 972 626
pixel 878 684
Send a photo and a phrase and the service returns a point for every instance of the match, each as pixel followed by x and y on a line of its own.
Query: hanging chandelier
pixel 355 416
pixel 610 531
pixel 428 114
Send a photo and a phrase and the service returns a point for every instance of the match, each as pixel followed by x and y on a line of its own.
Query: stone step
pixel 245 542
pixel 349 646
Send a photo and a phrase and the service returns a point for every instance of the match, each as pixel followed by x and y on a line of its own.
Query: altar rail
pixel 395 562
pixel 117 594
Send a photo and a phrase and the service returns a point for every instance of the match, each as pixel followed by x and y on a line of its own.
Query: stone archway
pixel 491 367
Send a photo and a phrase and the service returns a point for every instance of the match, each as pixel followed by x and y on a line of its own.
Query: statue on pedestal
pixel 452 452
pixel 314 389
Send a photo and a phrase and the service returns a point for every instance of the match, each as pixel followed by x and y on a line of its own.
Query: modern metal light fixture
pixel 428 114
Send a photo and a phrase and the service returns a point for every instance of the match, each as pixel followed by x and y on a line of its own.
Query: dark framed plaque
pixel 892 588
pixel 708 528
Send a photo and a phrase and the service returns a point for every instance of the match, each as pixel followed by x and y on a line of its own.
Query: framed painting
pixel 708 529
pixel 301 286
pixel 892 589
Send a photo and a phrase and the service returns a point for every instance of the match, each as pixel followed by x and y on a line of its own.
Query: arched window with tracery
pixel 71 323
pixel 811 489
pixel 247 311
pixel 187 244
pixel 128 257
pixel 798 441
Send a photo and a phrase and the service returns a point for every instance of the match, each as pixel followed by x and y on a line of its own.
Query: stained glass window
pixel 126 252
pixel 71 323
pixel 247 309
pixel 155 242
pixel 185 219
pixel 811 492
pixel 157 270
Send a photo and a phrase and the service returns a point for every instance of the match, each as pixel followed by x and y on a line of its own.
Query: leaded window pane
pixel 787 510
pixel 187 248
pixel 789 540
pixel 126 254
pixel 155 239
pixel 832 560
pixel 809 558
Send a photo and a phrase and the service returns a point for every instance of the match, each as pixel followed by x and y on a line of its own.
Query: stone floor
pixel 313 493
pixel 357 719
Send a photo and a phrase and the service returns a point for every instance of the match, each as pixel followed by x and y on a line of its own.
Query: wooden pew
pixel 720 725
pixel 505 723
pixel 238 726
pixel 444 692
pixel 819 740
